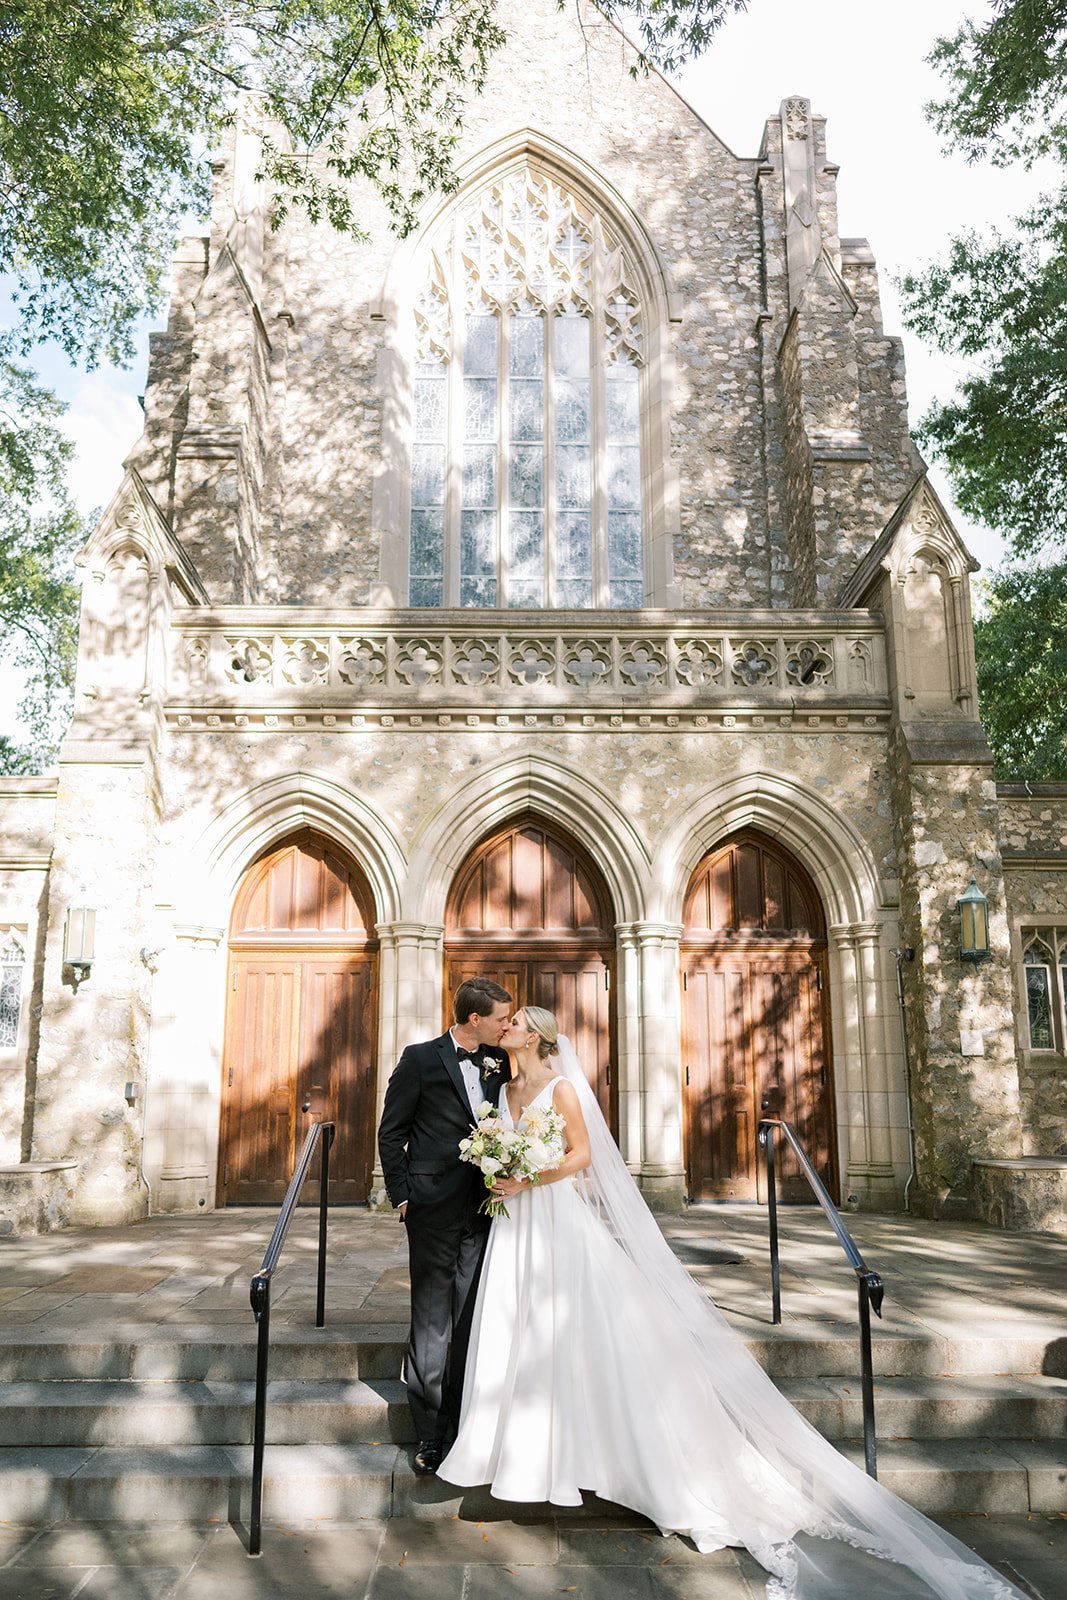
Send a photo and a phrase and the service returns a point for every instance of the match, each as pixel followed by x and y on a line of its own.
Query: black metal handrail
pixel 870 1286
pixel 259 1294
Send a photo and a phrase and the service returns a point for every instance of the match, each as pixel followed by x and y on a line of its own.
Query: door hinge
pixel 607 978
pixel 235 983
pixel 685 980
pixel 687 1074
pixel 607 1073
pixel 229 1083
pixel 451 978
pixel 226 1176
pixel 818 979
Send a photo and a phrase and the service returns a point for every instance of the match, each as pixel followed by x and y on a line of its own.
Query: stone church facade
pixel 556 594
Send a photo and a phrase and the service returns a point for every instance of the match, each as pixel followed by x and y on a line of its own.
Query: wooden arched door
pixel 530 909
pixel 300 1010
pixel 755 1020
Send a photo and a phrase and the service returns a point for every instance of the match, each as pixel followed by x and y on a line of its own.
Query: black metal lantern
pixel 974 924
pixel 79 941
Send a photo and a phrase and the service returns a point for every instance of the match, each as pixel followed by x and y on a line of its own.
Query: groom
pixel 429 1107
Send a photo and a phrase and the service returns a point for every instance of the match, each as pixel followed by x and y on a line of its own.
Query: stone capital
pixel 201 936
pixel 651 932
pixel 410 933
pixel 851 935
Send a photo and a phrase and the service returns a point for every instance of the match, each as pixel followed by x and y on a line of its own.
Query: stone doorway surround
pixel 410 881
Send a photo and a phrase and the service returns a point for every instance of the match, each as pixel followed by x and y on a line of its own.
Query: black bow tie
pixel 465 1055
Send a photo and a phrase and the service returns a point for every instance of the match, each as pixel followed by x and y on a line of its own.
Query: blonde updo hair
pixel 545 1026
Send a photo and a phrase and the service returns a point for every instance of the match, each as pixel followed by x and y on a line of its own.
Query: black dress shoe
pixel 427 1458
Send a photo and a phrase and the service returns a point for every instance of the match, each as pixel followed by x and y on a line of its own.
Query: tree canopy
pixel 1021 639
pixel 39 532
pixel 1000 300
pixel 106 111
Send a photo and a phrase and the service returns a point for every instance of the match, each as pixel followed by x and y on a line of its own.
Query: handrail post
pixel 261 1307
pixel 766 1133
pixel 871 1290
pixel 325 1141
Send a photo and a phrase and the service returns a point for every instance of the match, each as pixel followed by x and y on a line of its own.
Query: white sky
pixel 862 66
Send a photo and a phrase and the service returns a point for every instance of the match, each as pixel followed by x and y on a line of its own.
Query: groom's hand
pixel 403 1209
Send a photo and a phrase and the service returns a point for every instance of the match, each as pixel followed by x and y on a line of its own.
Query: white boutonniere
pixel 489 1064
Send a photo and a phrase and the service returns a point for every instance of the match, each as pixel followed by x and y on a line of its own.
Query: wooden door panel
pixel 577 992
pixel 754 1037
pixel 336 1070
pixel 497 964
pixel 259 1086
pixel 575 988
pixel 717 1043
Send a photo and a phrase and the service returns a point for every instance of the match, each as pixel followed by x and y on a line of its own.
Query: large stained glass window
pixel 526 480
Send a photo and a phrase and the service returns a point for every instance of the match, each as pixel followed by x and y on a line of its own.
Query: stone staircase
pixel 139 1426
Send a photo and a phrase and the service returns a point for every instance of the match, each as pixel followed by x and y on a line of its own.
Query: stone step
pixel 70 1413
pixel 199 1483
pixel 344 1351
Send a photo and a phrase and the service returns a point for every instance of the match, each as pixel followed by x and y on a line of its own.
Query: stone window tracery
pixel 12 968
pixel 1045 988
pixel 526 471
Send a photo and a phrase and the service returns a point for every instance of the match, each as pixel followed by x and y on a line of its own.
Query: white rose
pixel 486 1109
pixel 464 1145
pixel 489 1165
pixel 538 1155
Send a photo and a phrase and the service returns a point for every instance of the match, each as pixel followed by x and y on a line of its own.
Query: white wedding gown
pixel 595 1363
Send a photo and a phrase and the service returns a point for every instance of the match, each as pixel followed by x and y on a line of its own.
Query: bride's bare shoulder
pixel 565 1098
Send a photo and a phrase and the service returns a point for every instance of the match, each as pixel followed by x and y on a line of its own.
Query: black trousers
pixel 445 1263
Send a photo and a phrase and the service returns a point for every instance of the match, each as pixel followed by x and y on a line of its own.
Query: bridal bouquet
pixel 534 1145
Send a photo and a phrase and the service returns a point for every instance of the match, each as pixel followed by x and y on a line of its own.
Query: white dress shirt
pixel 471 1077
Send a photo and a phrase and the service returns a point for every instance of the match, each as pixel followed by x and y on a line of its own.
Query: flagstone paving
pixel 983 1308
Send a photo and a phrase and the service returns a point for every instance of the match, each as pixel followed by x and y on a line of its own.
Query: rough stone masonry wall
pixel 27 813
pixel 961 1035
pixel 94 1038
pixel 1033 830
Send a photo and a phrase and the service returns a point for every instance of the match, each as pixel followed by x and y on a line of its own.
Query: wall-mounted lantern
pixel 974 924
pixel 79 941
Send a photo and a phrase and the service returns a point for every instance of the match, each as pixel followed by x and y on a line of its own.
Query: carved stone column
pixel 662 1169
pixel 185 1065
pixel 868 1109
pixel 628 1022
pixel 409 990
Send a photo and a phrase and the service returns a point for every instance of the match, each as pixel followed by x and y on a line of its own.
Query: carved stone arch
pixel 300 1029
pixel 755 1018
pixel 527 144
pixel 827 843
pixel 406 279
pixel 212 853
pixel 505 789
pixel 860 911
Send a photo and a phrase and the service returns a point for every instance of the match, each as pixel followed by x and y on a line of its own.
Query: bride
pixel 597 1363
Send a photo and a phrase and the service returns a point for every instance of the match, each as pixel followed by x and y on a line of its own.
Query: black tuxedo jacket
pixel 427 1112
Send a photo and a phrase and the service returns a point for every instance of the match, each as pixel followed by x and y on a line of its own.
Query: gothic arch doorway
pixel 755 1019
pixel 300 1009
pixel 530 909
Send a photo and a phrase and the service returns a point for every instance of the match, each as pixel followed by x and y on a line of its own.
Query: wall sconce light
pixel 79 940
pixel 973 908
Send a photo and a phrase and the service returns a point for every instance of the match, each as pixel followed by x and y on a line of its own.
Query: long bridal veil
pixel 809 1517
